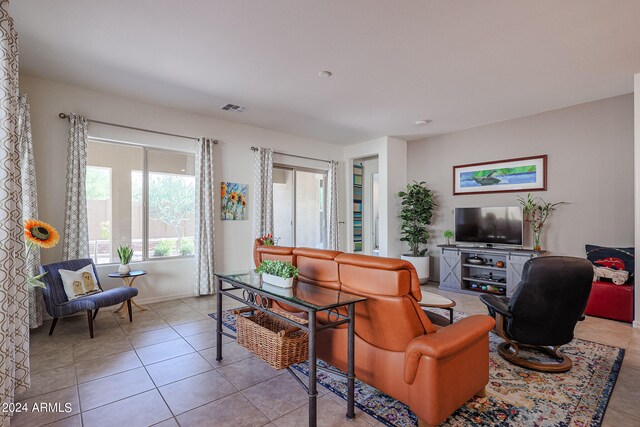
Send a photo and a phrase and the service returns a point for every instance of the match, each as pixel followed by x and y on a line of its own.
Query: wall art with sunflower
pixel 234 200
pixel 39 234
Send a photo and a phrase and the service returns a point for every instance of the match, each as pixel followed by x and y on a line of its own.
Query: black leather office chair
pixel 543 310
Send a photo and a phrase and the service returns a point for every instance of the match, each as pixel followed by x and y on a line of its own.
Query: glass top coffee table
pixel 307 298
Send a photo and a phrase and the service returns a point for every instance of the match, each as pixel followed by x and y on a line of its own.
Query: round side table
pixel 431 300
pixel 128 281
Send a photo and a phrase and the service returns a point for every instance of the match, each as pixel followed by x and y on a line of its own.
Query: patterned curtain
pixel 206 194
pixel 263 192
pixel 14 299
pixel 76 230
pixel 29 204
pixel 332 206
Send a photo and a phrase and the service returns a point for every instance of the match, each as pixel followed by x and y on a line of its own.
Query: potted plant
pixel 415 213
pixel 448 234
pixel 125 253
pixel 278 273
pixel 536 211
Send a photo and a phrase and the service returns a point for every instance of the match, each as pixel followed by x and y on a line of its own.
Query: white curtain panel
pixel 14 298
pixel 29 204
pixel 263 192
pixel 332 206
pixel 206 194
pixel 75 244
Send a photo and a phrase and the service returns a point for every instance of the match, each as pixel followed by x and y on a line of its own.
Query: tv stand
pixel 475 270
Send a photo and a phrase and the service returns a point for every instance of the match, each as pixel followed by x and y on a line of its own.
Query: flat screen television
pixel 494 225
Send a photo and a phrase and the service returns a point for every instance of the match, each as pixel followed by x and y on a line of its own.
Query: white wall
pixel 636 322
pixel 590 165
pixel 392 166
pixel 369 167
pixel 234 163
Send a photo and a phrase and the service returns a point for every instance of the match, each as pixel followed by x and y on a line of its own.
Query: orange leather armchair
pixel 398 350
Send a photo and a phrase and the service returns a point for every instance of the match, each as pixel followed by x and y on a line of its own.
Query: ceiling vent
pixel 234 108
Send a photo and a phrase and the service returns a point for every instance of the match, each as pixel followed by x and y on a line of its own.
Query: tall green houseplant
pixel 416 212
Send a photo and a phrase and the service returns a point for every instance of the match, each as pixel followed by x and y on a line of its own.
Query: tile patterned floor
pixel 161 370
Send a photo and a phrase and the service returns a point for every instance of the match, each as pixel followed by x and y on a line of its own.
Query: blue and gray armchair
pixel 58 305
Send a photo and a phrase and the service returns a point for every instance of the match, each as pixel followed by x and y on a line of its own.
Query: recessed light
pixel 325 74
pixel 183 170
pixel 423 122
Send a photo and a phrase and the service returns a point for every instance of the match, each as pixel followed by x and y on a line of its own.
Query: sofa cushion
pixel 318 267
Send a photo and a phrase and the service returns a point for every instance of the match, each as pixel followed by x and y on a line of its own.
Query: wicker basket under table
pixel 275 341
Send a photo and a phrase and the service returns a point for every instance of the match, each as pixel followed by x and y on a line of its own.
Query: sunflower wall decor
pixel 39 234
pixel 234 201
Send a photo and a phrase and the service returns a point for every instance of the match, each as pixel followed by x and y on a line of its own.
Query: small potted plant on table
pixel 278 273
pixel 125 253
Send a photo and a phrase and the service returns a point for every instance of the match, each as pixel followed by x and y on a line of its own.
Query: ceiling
pixel 460 63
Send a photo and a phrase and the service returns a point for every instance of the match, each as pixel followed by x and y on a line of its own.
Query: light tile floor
pixel 161 370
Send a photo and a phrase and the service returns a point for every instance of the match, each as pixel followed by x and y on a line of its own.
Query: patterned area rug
pixel 515 396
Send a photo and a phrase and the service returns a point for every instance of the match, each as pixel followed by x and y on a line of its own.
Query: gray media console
pixel 476 270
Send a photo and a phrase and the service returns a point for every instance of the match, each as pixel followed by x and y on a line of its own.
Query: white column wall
pixel 636 156
pixel 392 170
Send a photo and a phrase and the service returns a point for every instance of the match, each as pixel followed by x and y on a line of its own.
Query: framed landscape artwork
pixel 234 201
pixel 502 176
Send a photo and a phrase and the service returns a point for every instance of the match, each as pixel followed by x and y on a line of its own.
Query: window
pixel 141 197
pixel 299 206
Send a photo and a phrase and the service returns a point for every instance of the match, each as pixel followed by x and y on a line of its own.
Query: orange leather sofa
pixel 398 350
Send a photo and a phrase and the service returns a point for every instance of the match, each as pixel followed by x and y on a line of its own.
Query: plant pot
pixel 285 292
pixel 421 264
pixel 277 281
pixel 124 269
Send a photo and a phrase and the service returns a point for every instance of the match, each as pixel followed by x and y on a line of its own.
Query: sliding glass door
pixel 299 206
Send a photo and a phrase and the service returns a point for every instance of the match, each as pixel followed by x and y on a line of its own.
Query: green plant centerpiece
pixel 415 214
pixel 125 253
pixel 278 273
pixel 536 211
pixel 448 234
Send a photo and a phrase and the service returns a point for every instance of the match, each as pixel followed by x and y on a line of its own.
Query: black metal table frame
pixel 261 301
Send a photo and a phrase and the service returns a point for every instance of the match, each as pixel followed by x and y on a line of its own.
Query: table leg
pixel 450 316
pixel 218 321
pixel 313 394
pixel 351 363
pixel 123 309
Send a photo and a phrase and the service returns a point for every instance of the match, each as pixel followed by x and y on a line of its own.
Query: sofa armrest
pixel 447 342
pixel 497 304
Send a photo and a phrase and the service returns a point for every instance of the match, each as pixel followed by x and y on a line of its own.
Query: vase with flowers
pixel 41 235
pixel 536 211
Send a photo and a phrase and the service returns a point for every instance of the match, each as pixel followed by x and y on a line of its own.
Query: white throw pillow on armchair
pixel 79 283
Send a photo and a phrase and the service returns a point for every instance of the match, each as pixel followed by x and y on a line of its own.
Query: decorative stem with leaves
pixel 536 211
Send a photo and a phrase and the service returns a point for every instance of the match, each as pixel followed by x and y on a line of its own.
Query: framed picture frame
pixel 501 176
pixel 233 201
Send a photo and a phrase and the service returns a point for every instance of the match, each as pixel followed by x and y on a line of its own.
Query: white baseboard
pixel 163 298
pixel 636 324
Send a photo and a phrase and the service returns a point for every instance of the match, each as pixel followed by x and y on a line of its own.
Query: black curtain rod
pixel 294 155
pixel 65 116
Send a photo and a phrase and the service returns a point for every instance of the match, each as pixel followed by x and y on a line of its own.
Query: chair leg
pixel 53 325
pixel 95 313
pixel 130 310
pixel 90 317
